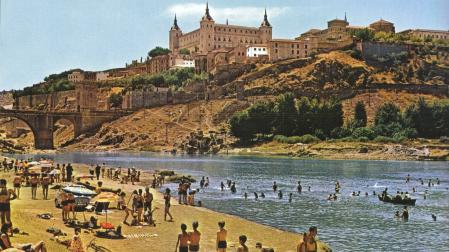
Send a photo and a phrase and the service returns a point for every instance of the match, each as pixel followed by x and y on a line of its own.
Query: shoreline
pixel 280 240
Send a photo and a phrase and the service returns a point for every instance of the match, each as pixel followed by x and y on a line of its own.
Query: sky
pixel 41 37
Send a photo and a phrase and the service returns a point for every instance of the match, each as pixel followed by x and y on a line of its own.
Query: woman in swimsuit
pixel 64 206
pixel 167 198
pixel 302 245
pixel 183 239
pixel 194 238
pixel 139 206
pixel 221 237
pixel 5 243
pixel 6 195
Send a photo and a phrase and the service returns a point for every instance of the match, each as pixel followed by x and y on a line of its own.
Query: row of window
pixel 433 36
pixel 293 46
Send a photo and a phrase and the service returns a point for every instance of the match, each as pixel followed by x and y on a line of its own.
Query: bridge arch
pixel 14 127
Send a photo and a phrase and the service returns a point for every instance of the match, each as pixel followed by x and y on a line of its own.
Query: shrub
pixel 363 132
pixel 296 139
pixel 340 132
pixel 362 139
pixel 320 134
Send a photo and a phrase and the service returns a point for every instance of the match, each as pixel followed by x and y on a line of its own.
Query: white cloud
pixel 236 15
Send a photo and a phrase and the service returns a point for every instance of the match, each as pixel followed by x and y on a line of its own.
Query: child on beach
pixel 242 247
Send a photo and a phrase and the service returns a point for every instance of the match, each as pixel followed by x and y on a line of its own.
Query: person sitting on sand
pixel 242 247
pixel 6 195
pixel 302 245
pixel 194 238
pixel 17 182
pixel 76 245
pixel 183 240
pixel 221 237
pixel 167 198
pixel 5 243
pixel 148 217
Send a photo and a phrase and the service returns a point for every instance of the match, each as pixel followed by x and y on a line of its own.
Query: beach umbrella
pixel 105 197
pixel 78 190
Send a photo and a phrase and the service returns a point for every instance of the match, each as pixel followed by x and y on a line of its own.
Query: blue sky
pixel 40 37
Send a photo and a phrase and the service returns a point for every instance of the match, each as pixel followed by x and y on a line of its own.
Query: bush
pixel 296 139
pixel 363 139
pixel 348 139
pixel 363 132
pixel 340 132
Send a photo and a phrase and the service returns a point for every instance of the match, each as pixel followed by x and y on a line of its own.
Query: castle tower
pixel 265 30
pixel 174 34
pixel 207 31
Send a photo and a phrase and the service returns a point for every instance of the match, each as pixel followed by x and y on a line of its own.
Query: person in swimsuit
pixel 167 198
pixel 123 206
pixel 148 199
pixel 45 181
pixel 17 184
pixel 64 206
pixel 242 247
pixel 194 238
pixel 311 245
pixel 302 245
pixel 275 186
pixel 76 245
pixel 222 186
pixel 183 239
pixel 299 187
pixel 6 195
pixel 34 181
pixel 5 243
pixel 71 205
pixel 139 206
pixel 221 237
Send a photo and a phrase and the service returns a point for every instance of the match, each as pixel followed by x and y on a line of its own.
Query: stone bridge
pixel 42 123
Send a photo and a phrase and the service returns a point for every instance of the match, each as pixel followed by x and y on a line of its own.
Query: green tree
pixel 363 34
pixel 261 116
pixel 304 116
pixel 360 117
pixel 115 100
pixel 238 126
pixel 286 114
pixel 157 51
pixel 184 51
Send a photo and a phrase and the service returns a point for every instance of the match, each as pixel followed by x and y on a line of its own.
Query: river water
pixel 349 224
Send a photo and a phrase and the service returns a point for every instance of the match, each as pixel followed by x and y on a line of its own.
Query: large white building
pixel 256 51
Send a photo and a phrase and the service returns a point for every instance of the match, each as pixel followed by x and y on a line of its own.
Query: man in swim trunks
pixel 221 237
pixel 45 181
pixel 6 195
pixel 167 198
pixel 194 238
pixel 34 181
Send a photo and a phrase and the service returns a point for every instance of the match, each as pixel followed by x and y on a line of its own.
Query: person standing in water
pixel 280 194
pixel 290 198
pixel 221 237
pixel 275 186
pixel 405 214
pixel 194 238
pixel 256 196
pixel 299 187
pixel 233 189
pixel 222 186
pixel 183 240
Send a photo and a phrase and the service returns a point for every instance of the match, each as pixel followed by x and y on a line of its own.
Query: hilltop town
pixel 181 98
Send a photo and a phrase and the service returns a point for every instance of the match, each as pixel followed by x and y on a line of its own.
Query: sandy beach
pixel 161 238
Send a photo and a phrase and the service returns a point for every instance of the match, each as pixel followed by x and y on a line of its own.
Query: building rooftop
pixel 381 21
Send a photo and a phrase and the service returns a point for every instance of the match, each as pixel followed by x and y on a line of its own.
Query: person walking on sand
pixel 167 198
pixel 17 182
pixel 194 238
pixel 242 247
pixel 34 181
pixel 183 240
pixel 45 181
pixel 97 171
pixel 121 204
pixel 221 237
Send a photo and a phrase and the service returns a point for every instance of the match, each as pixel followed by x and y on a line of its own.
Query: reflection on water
pixel 348 224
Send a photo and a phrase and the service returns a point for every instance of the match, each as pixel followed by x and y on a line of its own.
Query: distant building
pixel 76 76
pixel 382 26
pixel 256 51
pixel 101 76
pixel 425 33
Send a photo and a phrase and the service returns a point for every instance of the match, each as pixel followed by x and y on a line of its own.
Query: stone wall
pixel 381 49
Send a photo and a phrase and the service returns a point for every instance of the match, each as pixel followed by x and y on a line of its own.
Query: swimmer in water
pixel 262 195
pixel 280 194
pixel 290 197
pixel 256 196
pixel 245 195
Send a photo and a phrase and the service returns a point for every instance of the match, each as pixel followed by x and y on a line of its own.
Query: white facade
pixel 76 76
pixel 256 51
pixel 184 63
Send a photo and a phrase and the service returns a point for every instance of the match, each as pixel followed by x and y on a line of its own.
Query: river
pixel 360 223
